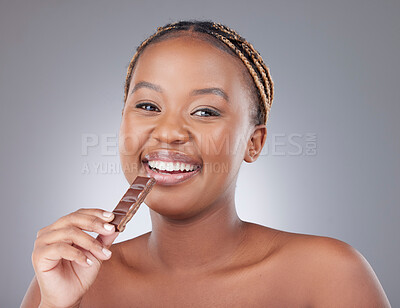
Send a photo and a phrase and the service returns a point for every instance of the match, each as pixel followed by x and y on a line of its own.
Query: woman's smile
pixel 171 167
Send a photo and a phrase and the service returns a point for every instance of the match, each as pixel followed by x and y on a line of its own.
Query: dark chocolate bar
pixel 131 201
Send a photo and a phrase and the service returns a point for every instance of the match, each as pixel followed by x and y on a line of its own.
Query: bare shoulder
pixel 129 253
pixel 335 273
pixel 119 269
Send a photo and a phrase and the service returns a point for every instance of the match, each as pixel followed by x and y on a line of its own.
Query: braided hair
pixel 222 37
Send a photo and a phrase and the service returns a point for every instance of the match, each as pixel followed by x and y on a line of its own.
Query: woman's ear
pixel 255 143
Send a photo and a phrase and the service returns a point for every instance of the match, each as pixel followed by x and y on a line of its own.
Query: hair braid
pixel 234 44
pixel 258 61
pixel 266 70
pixel 252 72
pixel 260 69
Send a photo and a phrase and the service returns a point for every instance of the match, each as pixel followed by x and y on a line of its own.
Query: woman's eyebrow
pixel 145 84
pixel 152 86
pixel 216 91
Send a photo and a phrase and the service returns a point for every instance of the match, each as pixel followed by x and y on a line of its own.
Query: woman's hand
pixel 67 260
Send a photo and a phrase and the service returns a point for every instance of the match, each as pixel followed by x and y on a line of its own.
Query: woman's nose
pixel 171 129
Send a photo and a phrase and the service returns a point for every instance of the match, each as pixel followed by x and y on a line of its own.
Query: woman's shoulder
pixel 116 275
pixel 327 268
pixel 304 245
pixel 130 252
pixel 321 253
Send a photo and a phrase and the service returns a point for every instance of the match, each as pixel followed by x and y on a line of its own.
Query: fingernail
pixel 88 261
pixel 107 214
pixel 106 252
pixel 108 227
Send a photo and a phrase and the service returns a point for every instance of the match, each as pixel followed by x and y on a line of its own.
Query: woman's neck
pixel 199 243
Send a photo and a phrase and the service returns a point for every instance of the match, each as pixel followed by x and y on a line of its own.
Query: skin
pixel 199 252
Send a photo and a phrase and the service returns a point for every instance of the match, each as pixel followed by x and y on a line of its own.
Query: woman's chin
pixel 173 213
pixel 174 207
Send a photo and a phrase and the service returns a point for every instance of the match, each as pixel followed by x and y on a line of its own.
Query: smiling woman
pixel 197 100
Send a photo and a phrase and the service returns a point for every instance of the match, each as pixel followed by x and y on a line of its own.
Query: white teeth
pixel 162 165
pixel 170 166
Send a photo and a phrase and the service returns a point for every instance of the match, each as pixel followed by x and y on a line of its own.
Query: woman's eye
pixel 147 107
pixel 206 112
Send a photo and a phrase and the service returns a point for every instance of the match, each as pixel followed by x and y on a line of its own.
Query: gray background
pixel 335 65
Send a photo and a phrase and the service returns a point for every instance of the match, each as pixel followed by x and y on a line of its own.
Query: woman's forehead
pixel 186 34
pixel 189 57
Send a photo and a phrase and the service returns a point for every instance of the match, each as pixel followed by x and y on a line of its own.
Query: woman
pixel 197 99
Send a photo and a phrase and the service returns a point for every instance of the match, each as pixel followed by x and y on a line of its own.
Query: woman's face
pixel 187 106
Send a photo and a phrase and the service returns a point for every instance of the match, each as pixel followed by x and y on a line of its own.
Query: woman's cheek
pixel 131 136
pixel 126 145
pixel 130 143
pixel 216 149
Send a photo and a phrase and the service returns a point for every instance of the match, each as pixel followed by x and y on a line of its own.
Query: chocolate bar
pixel 131 201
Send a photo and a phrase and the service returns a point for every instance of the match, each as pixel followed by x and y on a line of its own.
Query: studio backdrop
pixel 330 166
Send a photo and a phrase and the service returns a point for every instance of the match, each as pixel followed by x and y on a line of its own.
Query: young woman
pixel 197 99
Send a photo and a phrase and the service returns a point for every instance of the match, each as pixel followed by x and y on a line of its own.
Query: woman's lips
pixel 164 159
pixel 171 156
pixel 169 178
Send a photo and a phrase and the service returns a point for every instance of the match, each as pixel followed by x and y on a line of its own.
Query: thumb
pixel 107 240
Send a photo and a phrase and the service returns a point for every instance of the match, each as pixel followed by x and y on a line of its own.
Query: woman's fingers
pixel 107 240
pixel 65 239
pixel 108 216
pixel 47 257
pixel 73 235
pixel 87 222
pixel 67 259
